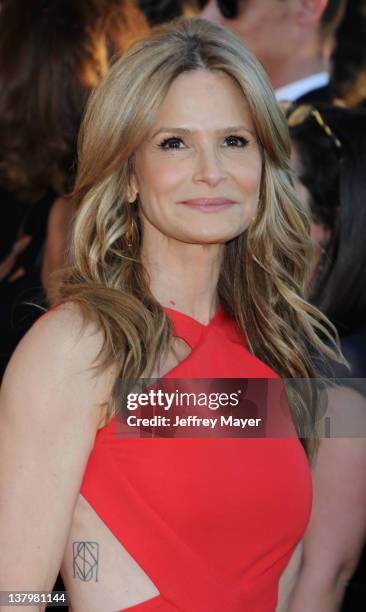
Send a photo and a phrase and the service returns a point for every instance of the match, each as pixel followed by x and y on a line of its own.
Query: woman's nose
pixel 209 168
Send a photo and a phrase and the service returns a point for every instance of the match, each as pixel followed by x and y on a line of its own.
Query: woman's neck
pixel 184 276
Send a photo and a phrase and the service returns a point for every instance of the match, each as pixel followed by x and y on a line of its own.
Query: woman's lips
pixel 209 204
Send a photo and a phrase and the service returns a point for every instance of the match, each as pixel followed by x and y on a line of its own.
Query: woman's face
pixel 198 174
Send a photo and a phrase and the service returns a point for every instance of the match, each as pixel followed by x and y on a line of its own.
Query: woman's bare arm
pixel 49 415
pixel 335 535
pixel 288 579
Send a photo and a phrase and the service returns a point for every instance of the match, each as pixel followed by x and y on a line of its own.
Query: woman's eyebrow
pixel 221 131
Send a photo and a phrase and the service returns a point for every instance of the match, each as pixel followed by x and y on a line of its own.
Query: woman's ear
pixel 132 190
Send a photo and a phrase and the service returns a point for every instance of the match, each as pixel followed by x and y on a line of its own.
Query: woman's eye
pixel 236 141
pixel 171 143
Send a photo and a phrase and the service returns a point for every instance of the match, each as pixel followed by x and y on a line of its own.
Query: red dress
pixel 212 522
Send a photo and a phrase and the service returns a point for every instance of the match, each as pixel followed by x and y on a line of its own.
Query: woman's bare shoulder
pixel 58 333
pixel 57 359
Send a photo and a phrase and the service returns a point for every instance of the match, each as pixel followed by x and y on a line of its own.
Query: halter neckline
pixel 188 328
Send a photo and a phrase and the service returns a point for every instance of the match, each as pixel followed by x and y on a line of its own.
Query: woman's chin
pixel 207 238
pixel 207 235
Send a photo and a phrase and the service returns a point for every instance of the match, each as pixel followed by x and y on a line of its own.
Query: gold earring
pixel 131 233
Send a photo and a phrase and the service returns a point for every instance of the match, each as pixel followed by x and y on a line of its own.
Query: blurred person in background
pixel 329 150
pixel 330 159
pixel 293 39
pixel 349 58
pixel 52 54
pixel 160 11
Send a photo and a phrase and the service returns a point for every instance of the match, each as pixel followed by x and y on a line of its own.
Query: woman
pixel 51 56
pixel 330 155
pixel 190 251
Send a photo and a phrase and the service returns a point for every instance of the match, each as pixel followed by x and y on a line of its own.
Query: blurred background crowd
pixel 54 52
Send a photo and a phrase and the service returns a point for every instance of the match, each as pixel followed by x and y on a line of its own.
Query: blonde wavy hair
pixel 265 269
